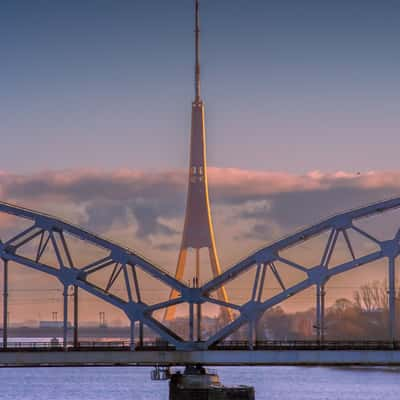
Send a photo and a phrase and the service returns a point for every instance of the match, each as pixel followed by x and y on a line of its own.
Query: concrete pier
pixel 200 383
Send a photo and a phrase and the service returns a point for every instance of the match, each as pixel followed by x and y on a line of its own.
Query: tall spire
pixel 197 46
pixel 198 231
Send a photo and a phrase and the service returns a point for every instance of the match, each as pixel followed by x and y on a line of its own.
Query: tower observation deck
pixel 198 231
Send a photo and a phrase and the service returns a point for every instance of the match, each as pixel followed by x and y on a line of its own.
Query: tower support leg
pixel 180 269
pixel 221 292
pixel 5 303
pixel 197 276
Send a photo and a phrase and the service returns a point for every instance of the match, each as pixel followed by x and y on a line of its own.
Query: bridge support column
pixel 76 316
pixel 323 313
pixel 132 336
pixel 250 334
pixel 65 318
pixel 141 333
pixel 392 298
pixel 191 324
pixel 320 312
pixel 257 332
pixel 199 322
pixel 5 303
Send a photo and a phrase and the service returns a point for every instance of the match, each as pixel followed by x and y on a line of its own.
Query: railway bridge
pixel 27 247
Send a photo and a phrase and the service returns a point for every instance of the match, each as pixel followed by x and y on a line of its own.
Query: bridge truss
pixel 29 245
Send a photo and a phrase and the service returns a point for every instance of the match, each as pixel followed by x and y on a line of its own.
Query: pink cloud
pixel 98 198
pixel 250 208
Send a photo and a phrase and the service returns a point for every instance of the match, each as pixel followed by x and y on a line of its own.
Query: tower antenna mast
pixel 198 231
pixel 197 47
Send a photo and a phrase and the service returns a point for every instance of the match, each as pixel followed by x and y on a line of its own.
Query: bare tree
pixel 372 296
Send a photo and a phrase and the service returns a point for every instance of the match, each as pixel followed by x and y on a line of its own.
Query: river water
pixel 133 383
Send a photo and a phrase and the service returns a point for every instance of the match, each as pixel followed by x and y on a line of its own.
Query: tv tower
pixel 198 231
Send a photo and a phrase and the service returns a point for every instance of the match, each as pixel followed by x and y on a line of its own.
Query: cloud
pixel 279 203
pixel 147 216
pixel 269 202
pixel 145 210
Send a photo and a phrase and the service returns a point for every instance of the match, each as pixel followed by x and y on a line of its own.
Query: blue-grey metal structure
pixel 46 231
pixel 55 232
pixel 107 357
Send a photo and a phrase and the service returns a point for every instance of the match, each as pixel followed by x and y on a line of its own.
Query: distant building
pixel 53 324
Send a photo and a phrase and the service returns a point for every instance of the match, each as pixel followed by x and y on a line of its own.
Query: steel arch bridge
pixel 46 231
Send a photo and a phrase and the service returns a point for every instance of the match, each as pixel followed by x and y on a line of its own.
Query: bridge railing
pixel 233 345
pixel 308 345
pixel 87 346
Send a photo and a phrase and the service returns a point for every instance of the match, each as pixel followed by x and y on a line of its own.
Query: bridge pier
pixel 5 303
pixel 197 382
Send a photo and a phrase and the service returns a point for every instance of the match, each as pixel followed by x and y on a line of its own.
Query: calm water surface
pixel 128 383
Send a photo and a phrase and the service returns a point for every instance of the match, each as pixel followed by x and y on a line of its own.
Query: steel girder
pixel 52 231
pixel 317 275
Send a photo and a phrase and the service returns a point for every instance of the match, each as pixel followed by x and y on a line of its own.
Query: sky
pixel 302 113
pixel 314 84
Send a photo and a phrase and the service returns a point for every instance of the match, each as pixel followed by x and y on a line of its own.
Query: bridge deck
pixel 113 357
